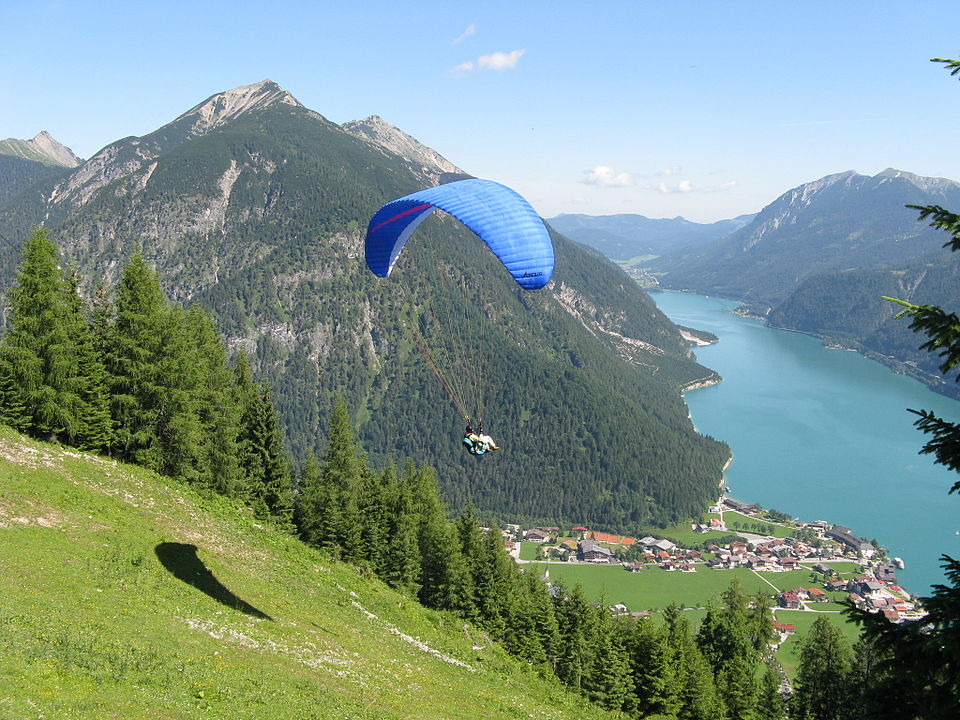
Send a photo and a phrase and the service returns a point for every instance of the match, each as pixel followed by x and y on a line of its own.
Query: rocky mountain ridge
pixel 42 148
pixel 392 139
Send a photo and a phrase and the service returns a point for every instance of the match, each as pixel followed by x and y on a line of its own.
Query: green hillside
pixel 128 595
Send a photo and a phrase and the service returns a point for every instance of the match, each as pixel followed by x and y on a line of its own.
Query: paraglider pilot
pixel 477 443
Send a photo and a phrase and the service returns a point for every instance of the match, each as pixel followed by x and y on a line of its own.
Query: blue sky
pixel 704 109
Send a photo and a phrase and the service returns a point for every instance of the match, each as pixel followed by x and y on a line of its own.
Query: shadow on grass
pixel 182 562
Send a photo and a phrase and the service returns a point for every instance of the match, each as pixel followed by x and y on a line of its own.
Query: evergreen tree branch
pixel 942 220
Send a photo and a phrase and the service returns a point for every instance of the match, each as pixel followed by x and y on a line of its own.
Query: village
pixel 827 553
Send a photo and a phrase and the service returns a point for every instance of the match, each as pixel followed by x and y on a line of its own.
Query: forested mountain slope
pixel 848 308
pixel 840 222
pixel 127 594
pixel 255 207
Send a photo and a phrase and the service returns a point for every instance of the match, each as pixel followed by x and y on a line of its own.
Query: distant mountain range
pixel 840 222
pixel 631 237
pixel 255 207
pixel 818 259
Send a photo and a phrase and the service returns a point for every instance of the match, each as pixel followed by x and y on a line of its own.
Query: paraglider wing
pixel 498 215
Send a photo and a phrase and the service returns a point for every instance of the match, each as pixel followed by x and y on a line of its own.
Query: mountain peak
pixel 42 148
pixel 927 184
pixel 223 107
pixel 378 131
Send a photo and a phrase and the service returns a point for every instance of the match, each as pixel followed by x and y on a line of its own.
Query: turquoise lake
pixel 824 435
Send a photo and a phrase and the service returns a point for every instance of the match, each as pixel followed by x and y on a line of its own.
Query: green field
pixel 737 522
pixel 683 534
pixel 652 588
pixel 129 595
pixel 528 550
pixel 787 653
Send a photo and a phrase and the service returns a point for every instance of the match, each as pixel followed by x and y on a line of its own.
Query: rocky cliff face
pixel 378 131
pixel 41 148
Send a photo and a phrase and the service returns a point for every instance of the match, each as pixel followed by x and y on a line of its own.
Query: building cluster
pixel 874 591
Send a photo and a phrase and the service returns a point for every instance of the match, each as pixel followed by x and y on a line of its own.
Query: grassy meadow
pixel 126 595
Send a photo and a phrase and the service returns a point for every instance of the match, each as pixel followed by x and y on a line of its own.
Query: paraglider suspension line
pixel 436 371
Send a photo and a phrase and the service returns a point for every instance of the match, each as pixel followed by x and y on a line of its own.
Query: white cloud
pixel 684 186
pixel 500 60
pixel 669 172
pixel 471 30
pixel 604 176
pixel 462 69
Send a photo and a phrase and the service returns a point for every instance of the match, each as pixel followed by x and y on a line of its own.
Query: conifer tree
pixel 725 640
pixel 150 373
pixel 770 704
pixel 444 572
pixel 343 468
pixel 653 673
pixel 697 696
pixel 42 385
pixel 571 610
pixel 821 689
pixel 402 555
pixel 96 432
pixel 606 669
pixel 264 468
pixel 918 663
pixel 218 410
pixel 317 508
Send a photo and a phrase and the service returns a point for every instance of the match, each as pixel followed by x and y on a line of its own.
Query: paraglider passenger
pixel 477 443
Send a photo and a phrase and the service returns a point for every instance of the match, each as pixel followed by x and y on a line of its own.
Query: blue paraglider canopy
pixel 498 215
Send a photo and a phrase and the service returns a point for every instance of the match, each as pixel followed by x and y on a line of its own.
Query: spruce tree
pixel 918 663
pixel 770 704
pixel 41 382
pixel 696 692
pixel 218 410
pixel 653 673
pixel 149 376
pixel 96 432
pixel 821 689
pixel 606 668
pixel 444 572
pixel 402 555
pixel 343 468
pixel 264 467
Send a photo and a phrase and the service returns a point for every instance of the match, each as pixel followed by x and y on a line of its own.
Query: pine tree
pixel 653 673
pixel 264 467
pixel 770 704
pixel 41 382
pixel 402 556
pixel 218 409
pixel 606 669
pixel 96 432
pixel 822 684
